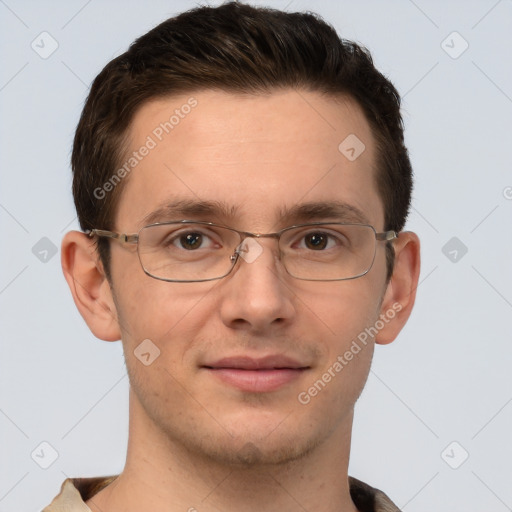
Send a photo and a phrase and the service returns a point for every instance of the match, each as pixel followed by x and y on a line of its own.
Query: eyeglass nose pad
pixel 249 249
pixel 239 249
pixel 239 252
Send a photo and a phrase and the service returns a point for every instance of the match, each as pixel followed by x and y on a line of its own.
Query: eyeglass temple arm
pixel 133 239
pixel 121 237
pixel 387 235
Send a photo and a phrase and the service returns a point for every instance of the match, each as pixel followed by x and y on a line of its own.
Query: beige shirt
pixel 76 491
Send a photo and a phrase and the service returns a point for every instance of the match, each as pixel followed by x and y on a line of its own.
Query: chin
pixel 249 434
pixel 254 441
pixel 250 454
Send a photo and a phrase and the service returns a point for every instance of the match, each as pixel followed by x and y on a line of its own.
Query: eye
pixel 316 241
pixel 189 241
pixel 320 239
pixel 178 240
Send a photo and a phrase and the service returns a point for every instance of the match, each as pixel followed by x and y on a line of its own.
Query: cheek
pixel 169 314
pixel 341 309
pixel 344 313
pixel 158 333
pixel 347 351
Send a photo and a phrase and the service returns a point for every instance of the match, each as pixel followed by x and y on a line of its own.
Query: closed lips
pixel 249 363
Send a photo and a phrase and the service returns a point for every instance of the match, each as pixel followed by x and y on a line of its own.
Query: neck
pixel 163 475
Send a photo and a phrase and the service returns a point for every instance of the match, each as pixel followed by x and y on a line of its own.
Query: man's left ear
pixel 401 290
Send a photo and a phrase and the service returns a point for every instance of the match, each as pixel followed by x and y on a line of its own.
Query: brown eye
pixel 191 241
pixel 316 241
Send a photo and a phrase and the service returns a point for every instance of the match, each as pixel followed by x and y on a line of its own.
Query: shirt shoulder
pixel 74 492
pixel 369 499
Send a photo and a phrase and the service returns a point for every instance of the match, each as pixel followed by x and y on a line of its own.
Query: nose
pixel 256 296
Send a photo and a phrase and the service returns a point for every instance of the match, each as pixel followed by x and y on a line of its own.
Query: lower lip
pixel 257 381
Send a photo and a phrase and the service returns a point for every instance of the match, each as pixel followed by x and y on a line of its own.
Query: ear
pixel 400 293
pixel 89 286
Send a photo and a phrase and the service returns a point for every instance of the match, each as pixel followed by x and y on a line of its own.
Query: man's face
pixel 258 156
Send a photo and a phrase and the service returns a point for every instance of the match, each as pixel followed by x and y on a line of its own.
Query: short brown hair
pixel 241 49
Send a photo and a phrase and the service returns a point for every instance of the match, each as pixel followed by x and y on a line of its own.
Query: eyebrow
pixel 337 211
pixel 312 211
pixel 190 209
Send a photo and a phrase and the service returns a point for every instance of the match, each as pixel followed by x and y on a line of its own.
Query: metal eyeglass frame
pixel 385 236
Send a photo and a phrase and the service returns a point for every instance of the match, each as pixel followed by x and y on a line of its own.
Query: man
pixel 242 182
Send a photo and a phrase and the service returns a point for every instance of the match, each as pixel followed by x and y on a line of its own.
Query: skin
pixel 195 441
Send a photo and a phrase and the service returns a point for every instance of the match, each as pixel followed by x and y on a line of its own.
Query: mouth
pixel 256 375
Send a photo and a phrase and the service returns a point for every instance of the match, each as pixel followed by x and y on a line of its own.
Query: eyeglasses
pixel 192 251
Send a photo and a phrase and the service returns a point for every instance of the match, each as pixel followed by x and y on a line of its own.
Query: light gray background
pixel 447 378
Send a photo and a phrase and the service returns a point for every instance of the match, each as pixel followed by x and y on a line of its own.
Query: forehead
pixel 254 156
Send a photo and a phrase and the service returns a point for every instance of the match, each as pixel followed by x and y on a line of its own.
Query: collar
pixel 75 492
